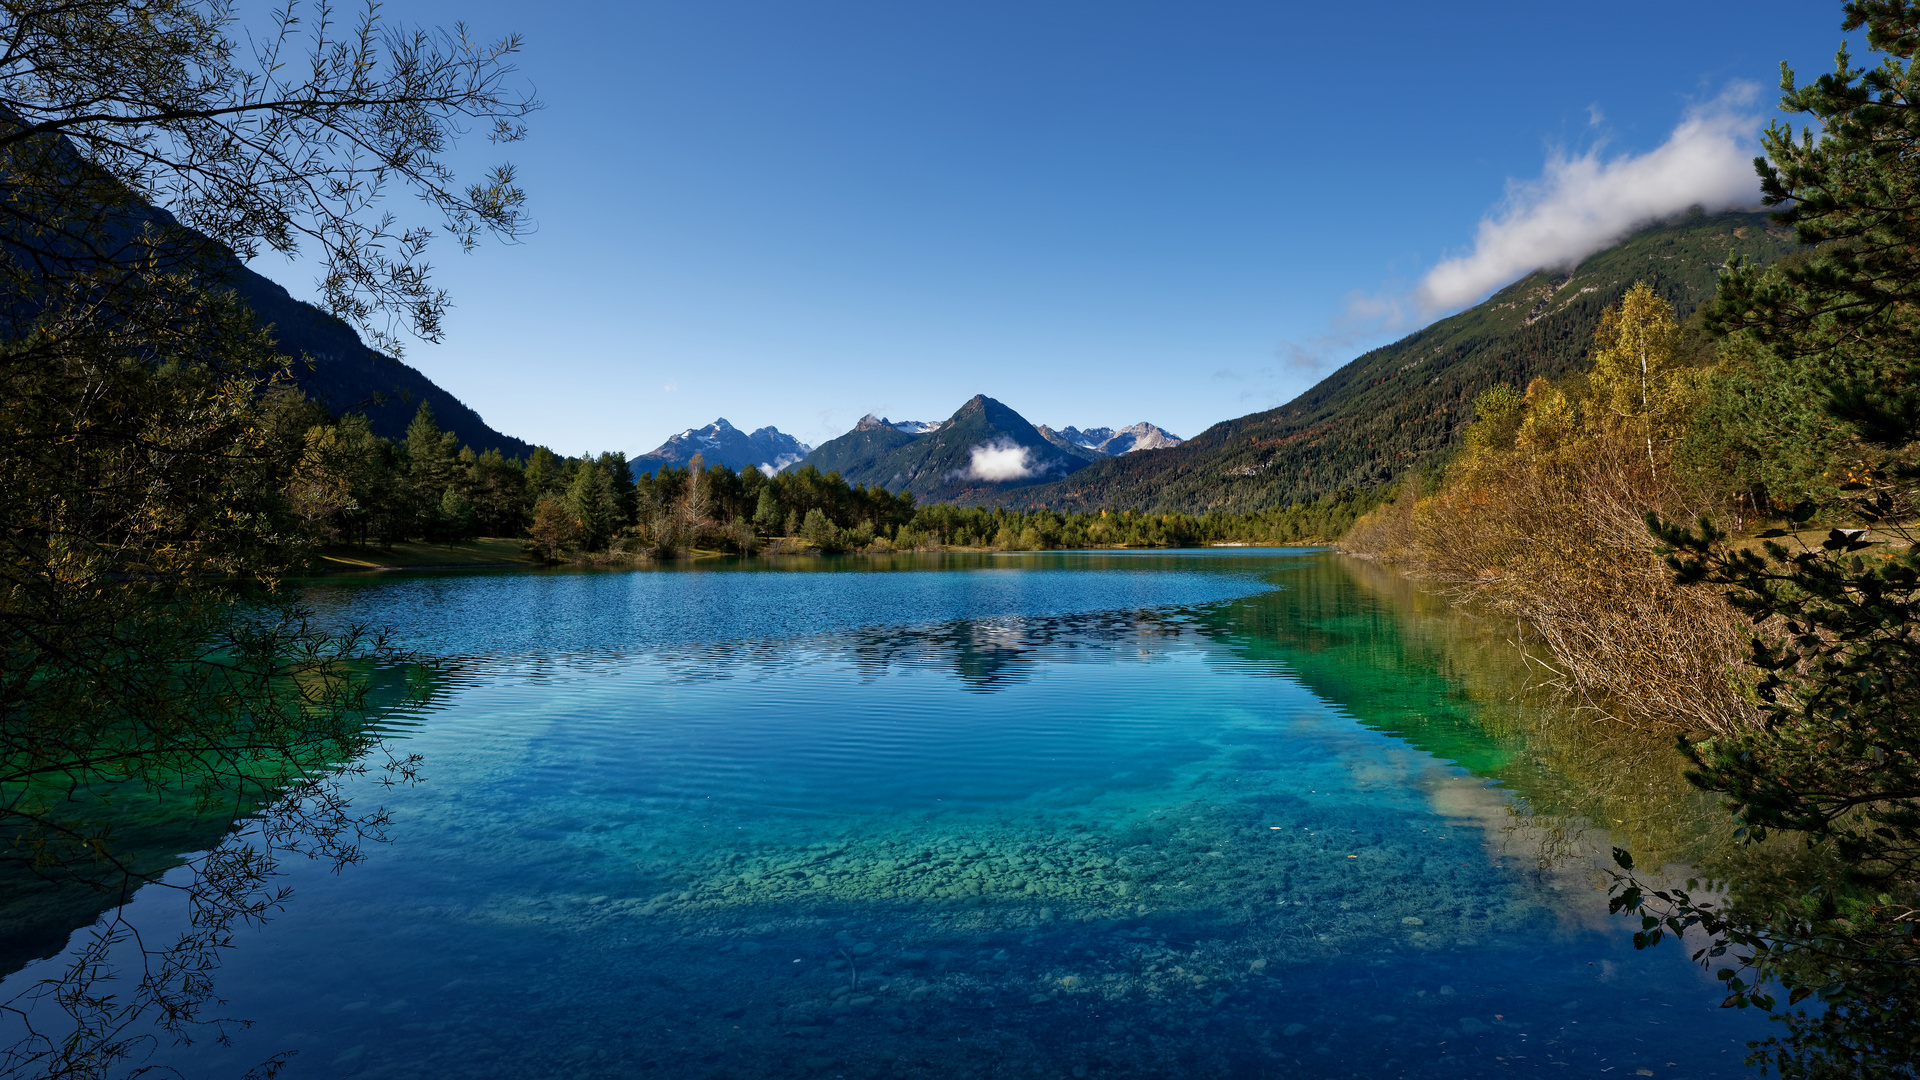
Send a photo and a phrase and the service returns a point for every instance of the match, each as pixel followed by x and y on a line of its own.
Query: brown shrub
pixel 1559 539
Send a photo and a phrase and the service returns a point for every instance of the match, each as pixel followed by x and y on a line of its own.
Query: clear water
pixel 1157 814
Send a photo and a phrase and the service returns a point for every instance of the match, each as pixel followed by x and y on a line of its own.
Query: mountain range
pixel 1390 410
pixel 1104 442
pixel 720 443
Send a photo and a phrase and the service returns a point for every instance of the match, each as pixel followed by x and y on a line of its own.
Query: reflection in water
pixel 123 987
pixel 1142 815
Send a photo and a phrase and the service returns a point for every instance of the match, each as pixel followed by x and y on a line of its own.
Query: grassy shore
pixel 465 555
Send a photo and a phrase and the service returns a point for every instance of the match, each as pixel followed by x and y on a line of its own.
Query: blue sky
pixel 1099 213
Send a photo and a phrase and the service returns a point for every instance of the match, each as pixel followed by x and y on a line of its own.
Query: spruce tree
pixel 591 503
pixel 767 513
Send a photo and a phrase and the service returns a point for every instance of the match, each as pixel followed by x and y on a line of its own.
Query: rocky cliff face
pixel 1104 442
pixel 720 443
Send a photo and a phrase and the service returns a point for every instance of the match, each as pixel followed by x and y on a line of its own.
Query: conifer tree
pixel 767 512
pixel 543 474
pixel 1837 666
pixel 620 486
pixel 590 502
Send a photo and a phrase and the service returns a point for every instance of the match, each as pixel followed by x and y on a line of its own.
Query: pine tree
pixel 620 481
pixel 590 502
pixel 1836 666
pixel 767 513
pixel 543 474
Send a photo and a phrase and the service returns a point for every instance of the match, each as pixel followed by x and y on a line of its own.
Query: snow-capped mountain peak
pixel 1100 442
pixel 720 443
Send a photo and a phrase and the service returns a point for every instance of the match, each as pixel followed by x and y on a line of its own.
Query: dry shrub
pixel 1560 540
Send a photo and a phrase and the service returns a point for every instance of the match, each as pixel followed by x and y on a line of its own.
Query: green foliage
pixel 1763 428
pixel 1497 412
pixel 817 530
pixel 1321 521
pixel 767 511
pixel 594 505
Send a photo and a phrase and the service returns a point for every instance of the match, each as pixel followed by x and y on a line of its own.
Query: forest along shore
pixel 499 553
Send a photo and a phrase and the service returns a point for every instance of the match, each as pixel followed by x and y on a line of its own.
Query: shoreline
pixel 336 560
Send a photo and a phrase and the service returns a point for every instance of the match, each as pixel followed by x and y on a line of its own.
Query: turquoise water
pixel 1154 814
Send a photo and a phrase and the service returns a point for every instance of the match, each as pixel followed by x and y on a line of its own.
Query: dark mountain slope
pixel 1402 405
pixel 337 369
pixel 858 452
pixel 985 448
pixel 334 366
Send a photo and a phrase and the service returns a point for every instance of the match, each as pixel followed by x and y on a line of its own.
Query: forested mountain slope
pixel 1401 406
pixel 856 452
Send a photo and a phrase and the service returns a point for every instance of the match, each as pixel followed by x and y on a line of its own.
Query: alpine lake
pixel 1220 813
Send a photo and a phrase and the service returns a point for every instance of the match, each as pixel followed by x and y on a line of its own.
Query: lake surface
pixel 1222 813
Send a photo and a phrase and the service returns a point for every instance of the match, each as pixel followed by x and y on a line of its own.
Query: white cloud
pixel 1001 459
pixel 1581 204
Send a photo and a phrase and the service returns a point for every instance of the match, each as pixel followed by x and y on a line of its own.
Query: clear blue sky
pixel 1099 213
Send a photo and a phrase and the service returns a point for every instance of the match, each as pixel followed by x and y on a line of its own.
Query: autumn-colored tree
pixel 553 529
pixel 1637 381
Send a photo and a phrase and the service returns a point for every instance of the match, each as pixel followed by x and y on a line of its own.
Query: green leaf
pixel 1623 858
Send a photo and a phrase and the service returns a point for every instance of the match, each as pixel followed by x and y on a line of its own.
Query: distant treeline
pixel 360 488
pixel 1325 520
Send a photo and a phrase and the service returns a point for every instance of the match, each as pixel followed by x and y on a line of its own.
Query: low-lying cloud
pixel 1583 203
pixel 1001 459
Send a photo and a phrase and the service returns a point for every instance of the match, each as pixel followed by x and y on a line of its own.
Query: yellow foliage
pixel 1638 382
pixel 1541 516
pixel 1550 421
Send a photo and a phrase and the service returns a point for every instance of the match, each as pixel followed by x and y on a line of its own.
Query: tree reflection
pixel 116 992
pixel 1774 912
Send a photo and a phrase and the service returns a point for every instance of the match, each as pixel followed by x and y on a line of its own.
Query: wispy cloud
pixel 1582 203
